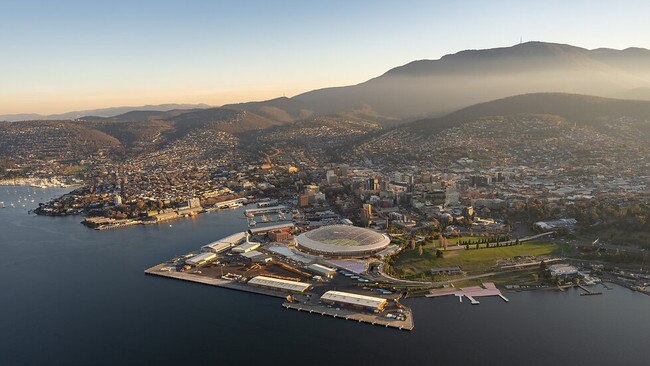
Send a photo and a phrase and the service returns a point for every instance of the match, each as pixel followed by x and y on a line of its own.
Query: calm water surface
pixel 74 296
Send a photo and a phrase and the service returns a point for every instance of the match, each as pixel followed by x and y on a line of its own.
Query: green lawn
pixel 409 264
pixel 341 242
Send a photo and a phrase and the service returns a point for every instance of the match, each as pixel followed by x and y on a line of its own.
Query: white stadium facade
pixel 342 241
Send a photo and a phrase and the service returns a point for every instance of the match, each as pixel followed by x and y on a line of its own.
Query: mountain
pixel 536 130
pixel 61 140
pixel 281 109
pixel 437 87
pixel 582 109
pixel 132 133
pixel 222 119
pixel 104 112
pixel 636 94
pixel 430 88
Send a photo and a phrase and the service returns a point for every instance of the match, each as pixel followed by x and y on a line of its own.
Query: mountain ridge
pixel 468 77
pixel 100 112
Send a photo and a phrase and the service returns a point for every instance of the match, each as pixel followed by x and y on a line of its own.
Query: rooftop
pixel 353 299
pixel 279 283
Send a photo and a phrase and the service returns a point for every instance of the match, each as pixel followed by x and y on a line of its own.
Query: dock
pixel 264 210
pixel 163 270
pixel 218 282
pixel 354 316
pixel 471 293
pixel 588 292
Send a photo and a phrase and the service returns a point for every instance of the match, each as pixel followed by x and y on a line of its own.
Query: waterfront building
pixel 201 259
pixel 355 301
pixel 246 247
pixel 279 284
pixel 321 270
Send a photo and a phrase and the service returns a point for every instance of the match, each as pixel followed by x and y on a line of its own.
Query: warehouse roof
pixel 279 283
pixel 225 243
pixel 246 247
pixel 266 229
pixel 320 268
pixel 251 254
pixel 203 257
pixel 353 299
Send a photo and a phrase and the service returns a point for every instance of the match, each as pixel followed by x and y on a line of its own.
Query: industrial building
pixel 201 259
pixel 279 284
pixel 266 229
pixel 256 256
pixel 226 243
pixel 321 270
pixel 246 247
pixel 356 301
pixel 343 241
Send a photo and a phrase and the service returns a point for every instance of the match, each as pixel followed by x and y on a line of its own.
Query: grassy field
pixel 342 242
pixel 409 264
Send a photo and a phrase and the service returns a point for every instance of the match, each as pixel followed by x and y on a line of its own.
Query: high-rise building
pixel 331 177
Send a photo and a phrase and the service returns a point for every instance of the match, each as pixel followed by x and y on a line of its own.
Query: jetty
pixel 588 292
pixel 159 270
pixel 264 210
pixel 345 314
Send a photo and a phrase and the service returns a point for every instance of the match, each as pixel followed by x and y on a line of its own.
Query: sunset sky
pixel 59 56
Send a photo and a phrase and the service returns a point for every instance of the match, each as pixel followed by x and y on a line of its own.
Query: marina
pixel 264 210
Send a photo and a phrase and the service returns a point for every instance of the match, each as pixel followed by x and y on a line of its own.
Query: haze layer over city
pixel 328 182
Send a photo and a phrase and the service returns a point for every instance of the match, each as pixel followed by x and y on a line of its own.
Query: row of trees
pixel 496 244
pixel 491 239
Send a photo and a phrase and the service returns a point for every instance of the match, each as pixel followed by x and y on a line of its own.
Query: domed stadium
pixel 343 241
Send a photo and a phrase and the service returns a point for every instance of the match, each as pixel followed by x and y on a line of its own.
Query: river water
pixel 74 296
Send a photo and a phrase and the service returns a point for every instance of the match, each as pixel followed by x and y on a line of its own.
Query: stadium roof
pixel 343 240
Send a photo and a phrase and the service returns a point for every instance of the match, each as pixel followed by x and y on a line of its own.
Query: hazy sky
pixel 58 56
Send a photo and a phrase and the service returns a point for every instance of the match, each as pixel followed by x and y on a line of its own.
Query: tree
pixel 443 241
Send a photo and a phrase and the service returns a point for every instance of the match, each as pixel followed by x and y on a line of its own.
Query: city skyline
pixel 76 55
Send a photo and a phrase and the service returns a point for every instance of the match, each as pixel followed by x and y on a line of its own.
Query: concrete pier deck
pixel 218 282
pixel 355 316
pixel 158 270
pixel 471 293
